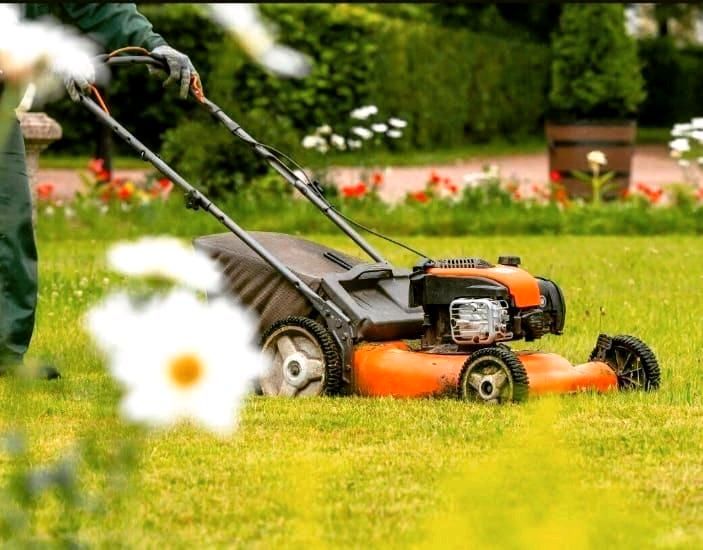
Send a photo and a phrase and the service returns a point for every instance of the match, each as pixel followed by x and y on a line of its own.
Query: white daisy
pixel 379 128
pixel 338 141
pixel 680 145
pixel 397 122
pixel 244 22
pixel 178 358
pixel 395 134
pixel 362 113
pixel 168 258
pixel 310 142
pixel 597 157
pixel 29 48
pixel 324 130
pixel 363 133
pixel 354 143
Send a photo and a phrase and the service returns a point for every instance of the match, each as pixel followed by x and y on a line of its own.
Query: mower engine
pixel 470 303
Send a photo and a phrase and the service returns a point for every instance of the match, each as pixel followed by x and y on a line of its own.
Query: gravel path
pixel 651 164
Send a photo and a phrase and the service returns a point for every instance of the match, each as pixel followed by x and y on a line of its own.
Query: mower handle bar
pixel 308 191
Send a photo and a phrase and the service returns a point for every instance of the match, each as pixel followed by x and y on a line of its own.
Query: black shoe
pixel 40 371
pixel 48 372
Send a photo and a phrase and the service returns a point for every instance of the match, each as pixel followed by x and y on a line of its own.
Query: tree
pixel 595 69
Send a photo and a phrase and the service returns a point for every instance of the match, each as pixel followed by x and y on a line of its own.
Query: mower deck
pixel 394 369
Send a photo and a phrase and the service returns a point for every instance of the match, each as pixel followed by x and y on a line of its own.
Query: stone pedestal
pixel 39 131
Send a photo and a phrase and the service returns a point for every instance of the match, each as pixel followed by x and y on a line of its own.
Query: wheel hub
pixel 295 370
pixel 297 364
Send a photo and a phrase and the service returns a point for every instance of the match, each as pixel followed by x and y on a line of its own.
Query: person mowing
pixel 113 26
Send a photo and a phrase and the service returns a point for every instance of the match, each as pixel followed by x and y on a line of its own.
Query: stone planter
pixel 39 131
pixel 570 142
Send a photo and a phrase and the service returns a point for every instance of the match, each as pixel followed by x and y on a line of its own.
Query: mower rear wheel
pixel 493 375
pixel 633 362
pixel 304 359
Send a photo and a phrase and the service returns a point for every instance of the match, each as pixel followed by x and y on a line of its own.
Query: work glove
pixel 77 73
pixel 179 66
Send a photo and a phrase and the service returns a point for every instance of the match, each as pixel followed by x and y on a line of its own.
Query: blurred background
pixel 470 79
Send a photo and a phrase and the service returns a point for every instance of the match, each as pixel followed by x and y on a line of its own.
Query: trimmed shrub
pixel 674 81
pixel 595 70
pixel 452 85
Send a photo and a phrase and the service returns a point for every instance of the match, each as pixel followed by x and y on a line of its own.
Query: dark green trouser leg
pixel 18 252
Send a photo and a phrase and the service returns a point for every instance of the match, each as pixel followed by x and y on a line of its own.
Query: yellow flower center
pixel 185 370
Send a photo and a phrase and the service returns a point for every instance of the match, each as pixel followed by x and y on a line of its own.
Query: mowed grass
pixel 584 470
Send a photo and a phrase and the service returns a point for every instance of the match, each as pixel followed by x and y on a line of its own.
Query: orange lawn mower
pixel 334 324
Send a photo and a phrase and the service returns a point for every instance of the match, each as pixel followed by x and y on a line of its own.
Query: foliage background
pixel 491 81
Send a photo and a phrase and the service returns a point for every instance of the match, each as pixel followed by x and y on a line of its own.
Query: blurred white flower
pixel 43 52
pixel 597 157
pixel 697 123
pixel 311 142
pixel 684 163
pixel 49 211
pixel 245 23
pixel 680 144
pixel 27 99
pixel 697 135
pixel 324 130
pixel 395 134
pixel 362 113
pixel 397 122
pixel 167 258
pixel 178 358
pixel 363 133
pixel 69 212
pixel 338 141
pixel 379 127
pixel 680 130
pixel 354 143
pixel 323 147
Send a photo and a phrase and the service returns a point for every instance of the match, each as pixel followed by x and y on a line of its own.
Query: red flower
pixel 625 193
pixel 561 196
pixel 97 167
pixel 165 183
pixel 517 195
pixel 45 190
pixel 354 191
pixel 434 178
pixel 419 196
pixel 452 188
pixel 555 176
pixel 126 191
pixel 700 194
pixel 376 179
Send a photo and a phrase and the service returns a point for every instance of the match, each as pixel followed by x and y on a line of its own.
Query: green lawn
pixel 584 471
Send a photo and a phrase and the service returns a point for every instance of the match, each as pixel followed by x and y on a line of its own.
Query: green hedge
pixel 453 86
pixel 674 82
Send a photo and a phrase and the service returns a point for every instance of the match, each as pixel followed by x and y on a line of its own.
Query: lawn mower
pixel 334 324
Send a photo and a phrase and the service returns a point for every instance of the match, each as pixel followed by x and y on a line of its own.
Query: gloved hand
pixel 77 73
pixel 179 66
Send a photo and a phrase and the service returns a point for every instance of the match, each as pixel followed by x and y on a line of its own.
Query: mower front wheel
pixel 304 359
pixel 493 375
pixel 634 364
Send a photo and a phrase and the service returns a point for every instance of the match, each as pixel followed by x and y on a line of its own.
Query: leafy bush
pixel 451 85
pixel 595 68
pixel 478 88
pixel 673 79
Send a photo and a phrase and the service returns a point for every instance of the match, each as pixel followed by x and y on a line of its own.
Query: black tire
pixel 329 354
pixel 633 361
pixel 487 362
